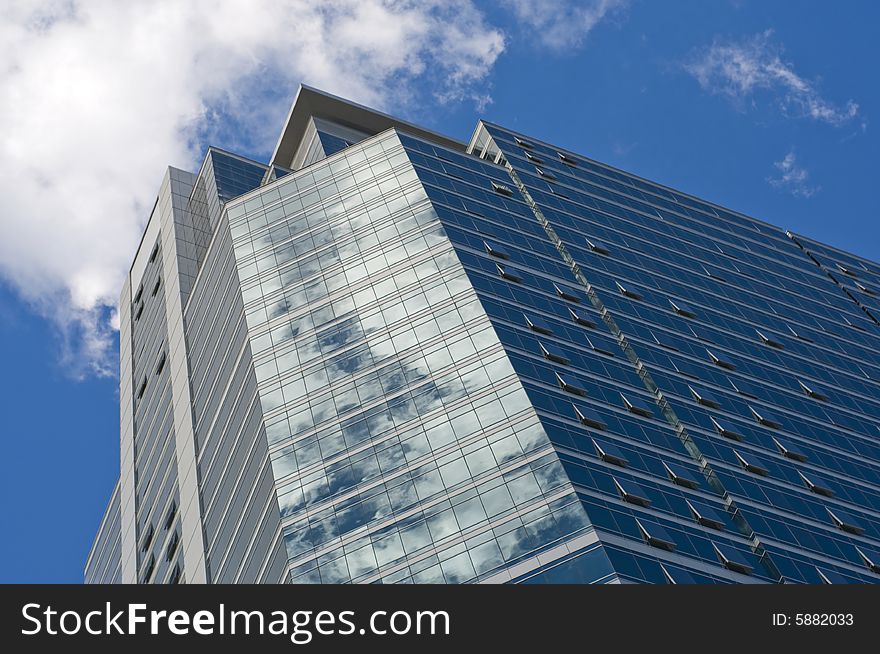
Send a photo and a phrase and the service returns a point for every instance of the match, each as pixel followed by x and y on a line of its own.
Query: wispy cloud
pixel 792 177
pixel 562 24
pixel 739 69
pixel 98 96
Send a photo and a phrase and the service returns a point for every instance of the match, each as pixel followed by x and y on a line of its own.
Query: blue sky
pixel 765 107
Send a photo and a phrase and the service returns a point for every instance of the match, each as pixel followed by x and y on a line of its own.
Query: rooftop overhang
pixel 312 102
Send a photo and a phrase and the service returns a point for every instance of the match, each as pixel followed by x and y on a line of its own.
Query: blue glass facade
pixel 413 361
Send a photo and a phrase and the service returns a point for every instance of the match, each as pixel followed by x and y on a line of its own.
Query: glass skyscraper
pixel 387 356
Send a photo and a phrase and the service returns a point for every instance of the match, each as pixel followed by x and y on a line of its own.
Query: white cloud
pixel 738 69
pixel 98 96
pixel 561 25
pixel 793 178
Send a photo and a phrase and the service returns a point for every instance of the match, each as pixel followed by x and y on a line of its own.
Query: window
pixel 704 397
pixel 155 252
pixel 566 293
pixel 531 157
pixel 148 538
pixel 142 389
pixel 149 570
pixel 816 484
pixel 172 513
pixel 156 287
pixel 579 319
pixel 596 348
pixel 720 361
pixel 789 451
pixel 765 418
pixel 656 536
pixel 846 271
pixel 597 247
pixel 725 429
pixel 712 274
pixel 813 392
pixel 844 521
pixel 631 492
pixel 161 364
pixel 799 335
pixel 139 312
pixel 699 334
pixel 589 416
pixel 538 325
pixel 496 251
pixel 732 559
pixel 609 453
pixel 743 389
pixel 871 560
pixel 523 143
pixel 706 515
pixel 682 309
pixel 849 323
pixel 509 274
pixel 172 546
pixel 545 174
pixel 767 340
pixel 138 294
pixel 175 576
pixel 553 353
pixel 680 475
pixel 676 575
pixel 864 289
pixel 503 189
pixel 569 387
pixel 571 161
pixel 636 405
pixel 828 576
pixel 657 341
pixel 686 369
pixel 752 464
pixel 628 292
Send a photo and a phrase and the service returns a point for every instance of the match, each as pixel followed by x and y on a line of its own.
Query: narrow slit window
pixel 682 309
pixel 503 189
pixel 175 576
pixel 538 325
pixel 589 416
pixel 769 340
pixel 847 271
pixel 172 546
pixel 172 513
pixel 161 365
pixel 142 388
pixel 545 174
pixel 680 475
pixel 496 250
pixel 553 353
pixel 721 362
pixel 726 429
pixel 533 158
pixel 656 536
pixel 154 253
pixel 790 451
pixel 705 515
pixel 732 559
pixel 752 464
pixel 581 320
pixel 567 293
pixel 596 348
pixel 156 287
pixel 568 386
pixel 138 294
pixel 864 289
pixel 610 453
pixel 816 484
pixel 629 292
pixel 765 418
pixel 813 392
pixel 636 405
pixel 509 274
pixel 844 521
pixel 631 492
pixel 151 565
pixel 523 143
pixel 598 247
pixel 148 539
pixel 704 397
pixel 139 312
